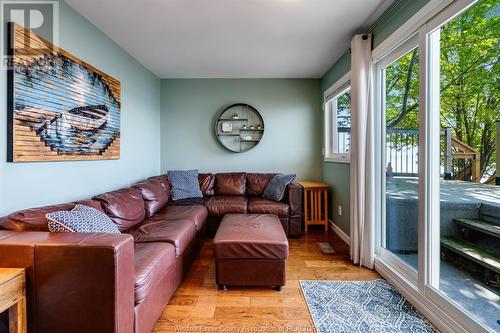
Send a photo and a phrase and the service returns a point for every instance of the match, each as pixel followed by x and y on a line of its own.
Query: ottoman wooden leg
pixel 279 288
pixel 222 287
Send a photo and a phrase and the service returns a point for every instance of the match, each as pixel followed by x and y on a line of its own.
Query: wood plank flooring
pixel 198 306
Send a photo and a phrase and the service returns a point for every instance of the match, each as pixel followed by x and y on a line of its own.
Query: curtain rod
pixel 364 36
pixel 382 19
pixel 387 13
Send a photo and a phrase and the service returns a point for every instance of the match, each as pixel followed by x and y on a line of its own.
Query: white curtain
pixel 362 153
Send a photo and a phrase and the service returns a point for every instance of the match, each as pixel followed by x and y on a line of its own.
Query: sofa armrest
pixel 294 195
pixel 75 282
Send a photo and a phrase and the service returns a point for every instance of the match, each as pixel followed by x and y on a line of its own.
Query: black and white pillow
pixel 81 219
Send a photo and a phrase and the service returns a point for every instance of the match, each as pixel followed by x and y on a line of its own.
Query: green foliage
pixel 401 92
pixel 470 87
pixel 344 110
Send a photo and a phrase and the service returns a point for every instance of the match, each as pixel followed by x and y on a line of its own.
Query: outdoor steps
pixel 472 252
pixel 481 226
pixel 485 256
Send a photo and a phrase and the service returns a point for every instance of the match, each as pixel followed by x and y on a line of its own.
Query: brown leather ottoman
pixel 250 250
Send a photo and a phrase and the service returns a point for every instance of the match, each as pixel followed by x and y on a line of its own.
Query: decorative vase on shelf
pixel 227 127
pixel 236 116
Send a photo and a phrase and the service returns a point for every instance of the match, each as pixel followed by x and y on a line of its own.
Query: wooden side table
pixel 315 204
pixel 13 297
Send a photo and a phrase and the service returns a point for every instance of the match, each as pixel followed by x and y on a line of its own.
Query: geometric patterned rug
pixel 361 307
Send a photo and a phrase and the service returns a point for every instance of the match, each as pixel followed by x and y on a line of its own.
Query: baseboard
pixel 340 233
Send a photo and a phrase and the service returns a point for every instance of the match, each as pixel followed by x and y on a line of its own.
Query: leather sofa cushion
pixel 179 233
pixel 221 205
pixel 163 180
pixel 154 195
pixel 207 183
pixel 152 261
pixel 258 205
pixel 197 214
pixel 32 219
pixel 125 207
pixel 257 182
pixel 188 202
pixel 250 237
pixel 91 203
pixel 233 183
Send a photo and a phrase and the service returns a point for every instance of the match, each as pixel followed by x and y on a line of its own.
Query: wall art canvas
pixel 60 107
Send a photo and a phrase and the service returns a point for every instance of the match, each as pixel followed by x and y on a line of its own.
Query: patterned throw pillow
pixel 184 184
pixel 275 189
pixel 81 219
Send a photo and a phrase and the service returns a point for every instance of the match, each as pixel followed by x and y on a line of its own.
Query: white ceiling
pixel 233 38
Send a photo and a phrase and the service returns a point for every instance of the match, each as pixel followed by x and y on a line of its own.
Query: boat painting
pixel 87 118
pixel 60 108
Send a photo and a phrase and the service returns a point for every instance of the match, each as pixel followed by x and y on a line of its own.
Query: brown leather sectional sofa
pixel 122 282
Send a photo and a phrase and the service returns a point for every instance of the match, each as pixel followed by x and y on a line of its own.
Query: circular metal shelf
pixel 239 127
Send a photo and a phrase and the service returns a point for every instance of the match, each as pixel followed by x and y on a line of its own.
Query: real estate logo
pixel 39 17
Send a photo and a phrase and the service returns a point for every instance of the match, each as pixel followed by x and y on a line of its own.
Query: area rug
pixel 361 307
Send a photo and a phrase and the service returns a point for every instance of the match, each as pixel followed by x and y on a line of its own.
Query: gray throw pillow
pixel 184 184
pixel 81 219
pixel 275 189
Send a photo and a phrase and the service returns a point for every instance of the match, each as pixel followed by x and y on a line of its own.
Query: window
pixel 338 121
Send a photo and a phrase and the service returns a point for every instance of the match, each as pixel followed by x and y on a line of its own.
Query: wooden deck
pixel 198 306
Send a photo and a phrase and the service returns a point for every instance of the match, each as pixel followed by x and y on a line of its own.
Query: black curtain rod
pixel 365 37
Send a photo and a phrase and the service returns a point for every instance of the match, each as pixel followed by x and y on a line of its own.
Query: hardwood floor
pixel 198 306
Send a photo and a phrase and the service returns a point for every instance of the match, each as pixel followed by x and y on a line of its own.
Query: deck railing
pixel 343 140
pixel 458 161
pixel 402 151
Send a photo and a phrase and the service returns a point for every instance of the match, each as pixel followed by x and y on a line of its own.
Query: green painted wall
pixel 337 175
pixel 395 17
pixel 339 69
pixel 292 114
pixel 24 185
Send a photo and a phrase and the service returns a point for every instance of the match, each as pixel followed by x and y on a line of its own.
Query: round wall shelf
pixel 239 127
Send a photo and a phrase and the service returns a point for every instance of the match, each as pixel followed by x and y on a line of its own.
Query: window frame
pixel 330 115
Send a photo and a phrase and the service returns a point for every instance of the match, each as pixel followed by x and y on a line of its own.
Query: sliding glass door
pixel 438 103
